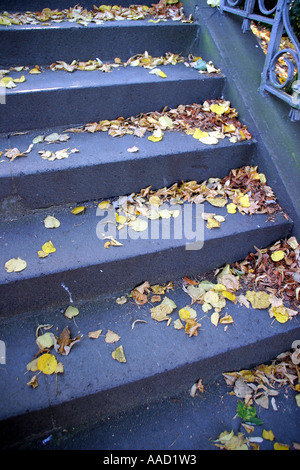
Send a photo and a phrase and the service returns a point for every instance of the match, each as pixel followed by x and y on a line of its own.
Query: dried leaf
pixel 64 343
pixel 259 299
pixel 111 337
pixel 119 355
pixel 51 222
pixel 78 210
pixel 48 247
pixel 94 334
pixel 15 265
pixel 71 312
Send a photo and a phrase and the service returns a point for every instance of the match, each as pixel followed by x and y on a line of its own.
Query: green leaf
pixel 248 414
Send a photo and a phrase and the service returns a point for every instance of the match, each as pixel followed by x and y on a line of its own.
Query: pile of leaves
pixel 275 269
pixel 208 122
pixel 164 10
pixel 144 60
pixel 260 386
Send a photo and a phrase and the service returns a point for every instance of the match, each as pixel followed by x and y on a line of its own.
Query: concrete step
pixel 104 168
pixel 162 362
pixel 39 5
pixel 41 44
pixel 57 98
pixel 82 267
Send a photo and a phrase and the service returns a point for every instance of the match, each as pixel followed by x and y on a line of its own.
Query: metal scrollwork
pixel 287 86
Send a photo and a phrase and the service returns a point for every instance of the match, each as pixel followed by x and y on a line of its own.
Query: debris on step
pixel 162 11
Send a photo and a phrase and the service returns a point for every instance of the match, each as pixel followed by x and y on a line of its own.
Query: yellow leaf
pixel 229 296
pixel 297 397
pixel 231 208
pixel 35 70
pixel 279 446
pixel 277 255
pixel 42 254
pixel 48 247
pixel 268 435
pixel 198 134
pixel 226 319
pixel 187 312
pixel 156 136
pixel 280 313
pixel 119 355
pixel 78 210
pixel 47 364
pixel 165 121
pixel 158 72
pixel 212 223
pixel 104 205
pixel 244 201
pixel 7 82
pixel 259 300
pixel 217 201
pixel 217 108
pixel 229 128
pixel 121 219
pixel 15 265
pixel 154 201
pixel 71 312
pixel 4 21
pixel 20 80
pixel 32 365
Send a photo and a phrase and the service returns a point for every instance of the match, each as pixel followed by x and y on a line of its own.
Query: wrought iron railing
pixel 287 86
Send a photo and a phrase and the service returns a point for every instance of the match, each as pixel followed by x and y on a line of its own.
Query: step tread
pixel 160 359
pixel 104 167
pixel 87 268
pixel 56 98
pixel 50 80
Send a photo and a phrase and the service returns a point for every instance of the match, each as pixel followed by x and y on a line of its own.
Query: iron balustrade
pixel 286 87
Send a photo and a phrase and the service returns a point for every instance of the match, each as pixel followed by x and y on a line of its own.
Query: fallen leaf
pixel 47 364
pixel 51 222
pixel 64 343
pixel 45 341
pixel 217 201
pixel 78 210
pixel 213 223
pixel 259 299
pixel 218 109
pixel 94 334
pixel 33 382
pixel 231 208
pixel 119 355
pixel 230 441
pixel 133 149
pixel 187 312
pixel 280 313
pixel 162 311
pixel 15 265
pixel 138 225
pixel 277 255
pixel 71 312
pixel 269 435
pixel 279 446
pixel 111 337
pixel 48 247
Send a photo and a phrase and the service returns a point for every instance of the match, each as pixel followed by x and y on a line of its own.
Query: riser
pixel 104 168
pixel 161 361
pixel 82 267
pixel 32 45
pixel 63 99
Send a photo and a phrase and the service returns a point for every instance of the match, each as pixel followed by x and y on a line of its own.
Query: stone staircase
pixel 82 272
